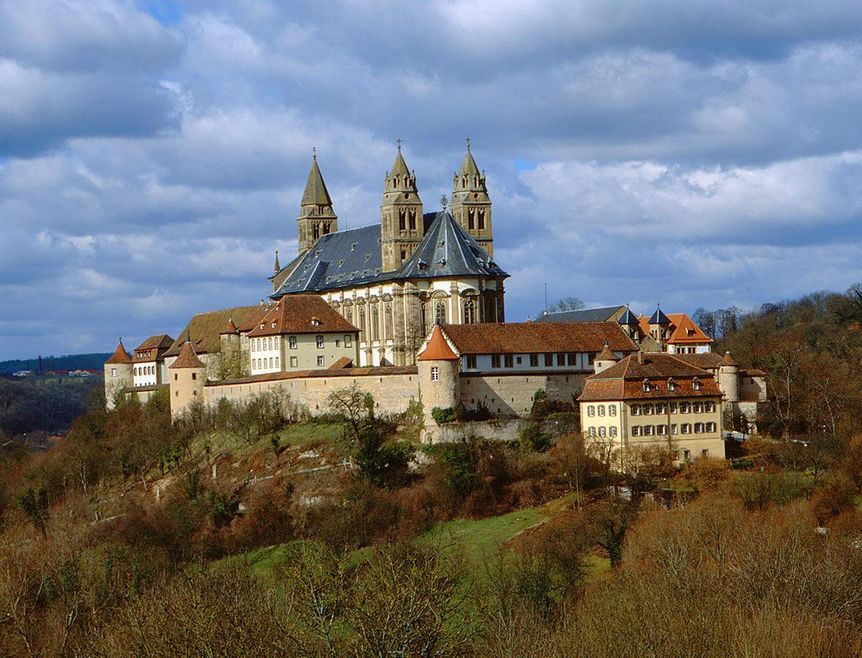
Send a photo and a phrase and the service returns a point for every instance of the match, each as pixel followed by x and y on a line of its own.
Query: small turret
pixel 728 378
pixel 118 374
pixel 188 377
pixel 629 324
pixel 438 375
pixel 659 324
pixel 604 359
pixel 470 204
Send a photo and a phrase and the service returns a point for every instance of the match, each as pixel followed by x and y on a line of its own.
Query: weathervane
pixel 314 152
pixel 468 143
pixel 398 141
pixel 444 201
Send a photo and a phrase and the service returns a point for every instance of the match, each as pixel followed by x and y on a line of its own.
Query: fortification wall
pixel 512 395
pixel 392 393
pixel 492 430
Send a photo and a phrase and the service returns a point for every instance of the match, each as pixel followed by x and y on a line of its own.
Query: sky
pixel 684 152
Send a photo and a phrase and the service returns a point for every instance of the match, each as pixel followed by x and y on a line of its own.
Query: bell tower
pixel 316 216
pixel 471 205
pixel 401 223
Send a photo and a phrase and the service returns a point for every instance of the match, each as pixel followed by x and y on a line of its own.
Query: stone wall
pixel 392 392
pixel 492 430
pixel 512 395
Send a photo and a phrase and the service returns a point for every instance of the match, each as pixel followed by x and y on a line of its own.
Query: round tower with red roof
pixel 188 375
pixel 118 375
pixel 438 375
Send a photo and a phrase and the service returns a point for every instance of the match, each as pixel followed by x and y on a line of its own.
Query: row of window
pixel 274 362
pixel 603 431
pixel 509 360
pixel 599 409
pixel 674 429
pixel 271 343
pixel 145 370
pixel 673 407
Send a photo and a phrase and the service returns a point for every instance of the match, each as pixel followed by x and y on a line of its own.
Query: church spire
pixel 277 267
pixel 316 215
pixel 471 205
pixel 401 223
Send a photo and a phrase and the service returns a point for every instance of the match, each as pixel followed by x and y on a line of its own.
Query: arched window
pixel 387 321
pixel 469 312
pixel 362 318
pixel 375 323
pixel 401 219
pixel 440 312
pixel 412 220
pixel 481 220
pixel 471 219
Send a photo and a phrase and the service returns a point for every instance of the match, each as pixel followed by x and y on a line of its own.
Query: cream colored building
pixel 653 399
pixel 395 279
pixel 301 332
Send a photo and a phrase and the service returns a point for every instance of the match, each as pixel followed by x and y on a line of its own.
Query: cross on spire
pixel 398 141
pixel 314 152
pixel 468 143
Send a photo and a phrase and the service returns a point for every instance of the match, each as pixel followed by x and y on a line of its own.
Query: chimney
pixel 640 357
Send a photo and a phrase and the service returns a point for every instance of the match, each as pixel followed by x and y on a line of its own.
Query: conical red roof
pixel 606 354
pixel 438 348
pixel 728 360
pixel 188 358
pixel 120 355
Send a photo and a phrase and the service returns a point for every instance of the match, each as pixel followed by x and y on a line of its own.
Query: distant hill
pixel 67 362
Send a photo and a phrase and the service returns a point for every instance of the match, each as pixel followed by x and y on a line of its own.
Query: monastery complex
pixel 412 310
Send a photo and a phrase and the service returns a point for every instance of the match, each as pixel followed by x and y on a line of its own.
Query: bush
pixel 443 416
pixel 760 489
pixel 533 438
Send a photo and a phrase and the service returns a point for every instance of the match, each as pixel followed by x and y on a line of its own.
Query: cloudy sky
pixel 688 152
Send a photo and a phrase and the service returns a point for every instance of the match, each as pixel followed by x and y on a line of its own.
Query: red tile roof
pixel 187 358
pixel 437 348
pixel 537 337
pixel 683 330
pixel 120 355
pixel 301 314
pixel 625 380
pixel 156 342
pixel 203 329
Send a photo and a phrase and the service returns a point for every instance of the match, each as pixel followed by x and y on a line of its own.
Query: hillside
pixel 93 361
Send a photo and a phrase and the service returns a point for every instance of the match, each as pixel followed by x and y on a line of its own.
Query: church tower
pixel 471 205
pixel 401 224
pixel 316 217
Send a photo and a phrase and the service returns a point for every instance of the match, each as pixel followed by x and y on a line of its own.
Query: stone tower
pixel 471 205
pixel 728 378
pixel 438 378
pixel 629 324
pixel 118 374
pixel 659 327
pixel 187 380
pixel 316 216
pixel 401 224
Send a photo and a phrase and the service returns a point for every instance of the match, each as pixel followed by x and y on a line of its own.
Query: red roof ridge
pixel 120 355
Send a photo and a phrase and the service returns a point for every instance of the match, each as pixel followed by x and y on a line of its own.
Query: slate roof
pixel 536 338
pixel 353 257
pixel 659 318
pixel 603 314
pixel 301 314
pixel 628 318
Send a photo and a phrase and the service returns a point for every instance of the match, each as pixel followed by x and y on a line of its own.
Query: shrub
pixel 533 438
pixel 442 416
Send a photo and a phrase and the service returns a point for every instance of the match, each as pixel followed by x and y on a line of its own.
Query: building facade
pixel 149 361
pixel 394 280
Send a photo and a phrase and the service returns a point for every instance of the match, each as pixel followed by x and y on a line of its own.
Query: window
pixel 659 409
pixel 176 376
pixel 671 384
pixel 319 340
pixel 435 374
pixel 469 312
pixel 695 384
pixel 271 362
pixel 636 410
pixel 518 360
pixel 613 431
pixel 648 410
pixel 294 362
pixel 194 375
pixel 710 427
pixel 471 362
pixel 636 430
pixel 291 342
pixel 686 455
pixel 646 386
pixel 549 360
pixel 534 360
pixel 696 407
pixel 704 452
pixel 348 340
pixel 269 343
pixel 684 407
pixel 661 430
pixel 572 359
pixel 698 428
pixel 592 431
pixel 685 428
pixel 508 361
pixel 561 359
pixel 709 406
pixel 672 407
pixel 495 360
pixel 591 410
pixel 375 323
pixel 320 361
pixel 674 429
pixel 603 432
pixel 276 362
pixel 612 409
pixel 601 410
pixel 649 430
pixel 440 313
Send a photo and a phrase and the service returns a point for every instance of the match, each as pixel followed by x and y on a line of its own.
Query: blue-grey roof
pixel 584 315
pixel 448 250
pixel 659 317
pixel 628 318
pixel 353 257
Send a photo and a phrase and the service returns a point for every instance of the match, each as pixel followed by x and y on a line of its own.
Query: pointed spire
pixel 187 358
pixel 437 348
pixel 399 166
pixel 315 193
pixel 628 318
pixel 277 267
pixel 659 317
pixel 469 166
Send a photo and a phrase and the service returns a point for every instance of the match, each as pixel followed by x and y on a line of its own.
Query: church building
pixel 395 279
